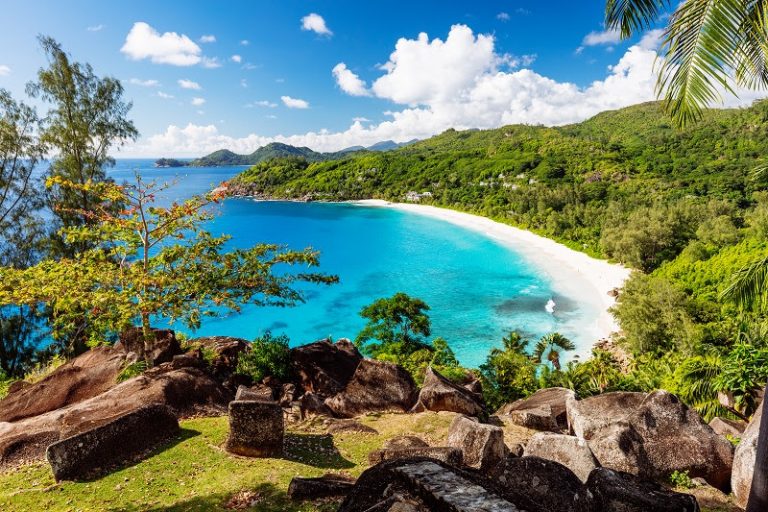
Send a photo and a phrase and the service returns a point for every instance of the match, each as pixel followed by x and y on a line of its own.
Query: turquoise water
pixel 477 288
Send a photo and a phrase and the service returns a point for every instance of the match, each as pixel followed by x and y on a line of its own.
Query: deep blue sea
pixel 477 288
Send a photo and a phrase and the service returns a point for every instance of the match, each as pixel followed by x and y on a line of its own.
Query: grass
pixel 193 473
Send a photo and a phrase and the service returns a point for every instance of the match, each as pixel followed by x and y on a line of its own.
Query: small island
pixel 170 162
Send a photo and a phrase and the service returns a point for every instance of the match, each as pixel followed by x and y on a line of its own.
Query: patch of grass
pixel 194 473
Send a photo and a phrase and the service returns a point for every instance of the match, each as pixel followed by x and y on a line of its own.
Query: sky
pixel 207 75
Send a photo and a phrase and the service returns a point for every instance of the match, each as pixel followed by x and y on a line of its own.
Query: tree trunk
pixel 148 334
pixel 758 493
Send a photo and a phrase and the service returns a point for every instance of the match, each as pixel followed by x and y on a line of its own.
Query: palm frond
pixel 702 43
pixel 630 16
pixel 749 284
pixel 752 67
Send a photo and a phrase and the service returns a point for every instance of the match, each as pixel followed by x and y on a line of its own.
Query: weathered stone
pixel 744 460
pixel 161 349
pixel 223 353
pixel 447 454
pixel 323 367
pixel 400 442
pixel 660 436
pixel 622 492
pixel 481 445
pixel 180 361
pixel 311 404
pixel 587 416
pixel 542 485
pixel 540 418
pixel 550 401
pixel 571 452
pixel 440 394
pixel 341 426
pixel 326 486
pixel 256 429
pixel 259 393
pixel 376 386
pixel 287 394
pixel 122 439
pixel 725 426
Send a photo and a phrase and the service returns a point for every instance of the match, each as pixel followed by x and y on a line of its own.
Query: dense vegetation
pixel 685 207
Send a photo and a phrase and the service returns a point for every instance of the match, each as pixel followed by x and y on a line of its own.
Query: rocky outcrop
pixel 724 426
pixel 223 353
pixel 571 452
pixel 446 454
pixel 627 493
pixel 440 394
pixel 325 368
pixel 86 376
pixel 326 486
pixel 375 386
pixel 186 391
pixel 311 404
pixel 161 349
pixel 482 445
pixel 256 429
pixel 659 436
pixel 585 417
pixel 544 410
pixel 122 439
pixel 744 460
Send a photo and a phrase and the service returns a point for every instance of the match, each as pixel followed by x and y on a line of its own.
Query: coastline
pixel 572 273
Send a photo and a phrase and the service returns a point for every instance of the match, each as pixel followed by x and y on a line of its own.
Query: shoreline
pixel 573 274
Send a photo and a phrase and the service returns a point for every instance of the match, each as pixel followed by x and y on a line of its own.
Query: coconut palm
pixel 514 342
pixel 550 346
pixel 708 47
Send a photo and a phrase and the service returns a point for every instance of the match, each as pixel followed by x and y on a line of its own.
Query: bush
pixel 132 370
pixel 681 479
pixel 268 356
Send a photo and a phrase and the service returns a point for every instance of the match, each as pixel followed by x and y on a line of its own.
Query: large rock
pixel 542 485
pixel 622 492
pixel 120 440
pixel 326 486
pixel 482 445
pixel 660 436
pixel 161 349
pixel 585 417
pixel 399 442
pixel 222 353
pixel 187 391
pixel 571 452
pixel 543 410
pixel 726 427
pixel 323 367
pixel 375 386
pixel 86 376
pixel 256 429
pixel 261 392
pixel 446 454
pixel 744 460
pixel 440 394
pixel 311 404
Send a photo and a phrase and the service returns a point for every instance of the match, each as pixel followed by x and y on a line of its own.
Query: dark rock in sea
pixel 162 348
pixel 256 429
pixel 482 445
pixel 120 440
pixel 376 386
pixel 439 394
pixel 323 367
pixel 326 486
pixel 623 492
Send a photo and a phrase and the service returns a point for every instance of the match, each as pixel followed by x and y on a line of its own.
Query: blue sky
pixel 265 71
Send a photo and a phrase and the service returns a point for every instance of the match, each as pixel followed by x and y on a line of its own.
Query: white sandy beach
pixel 573 274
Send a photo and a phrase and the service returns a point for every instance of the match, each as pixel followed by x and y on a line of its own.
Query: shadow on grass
pixel 262 498
pixel 100 473
pixel 315 450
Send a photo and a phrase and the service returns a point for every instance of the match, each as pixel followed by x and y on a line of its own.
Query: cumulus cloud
pixel 315 23
pixel 198 101
pixel 4 70
pixel 144 42
pixel 236 58
pixel 208 38
pixel 604 37
pixel 144 83
pixel 189 84
pixel 349 82
pixel 294 102
pixel 456 83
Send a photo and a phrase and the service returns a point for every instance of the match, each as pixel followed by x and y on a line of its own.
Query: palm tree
pixel 514 342
pixel 550 345
pixel 708 46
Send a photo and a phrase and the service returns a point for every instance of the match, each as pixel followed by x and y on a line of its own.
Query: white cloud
pixel 651 40
pixel 236 58
pixel 294 102
pixel 95 28
pixel 264 103
pixel 144 42
pixel 189 84
pixel 210 63
pixel 604 37
pixel 315 23
pixel 503 16
pixel 245 42
pixel 243 83
pixel 4 70
pixel 349 82
pixel 360 120
pixel 165 96
pixel 456 83
pixel 208 38
pixel 144 83
pixel 198 101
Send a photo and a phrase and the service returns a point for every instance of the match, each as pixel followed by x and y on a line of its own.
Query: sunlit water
pixel 477 288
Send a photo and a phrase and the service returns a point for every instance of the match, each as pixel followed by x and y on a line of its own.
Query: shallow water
pixel 478 289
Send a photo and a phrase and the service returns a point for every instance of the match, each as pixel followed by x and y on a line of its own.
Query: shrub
pixel 681 479
pixel 132 370
pixel 268 356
